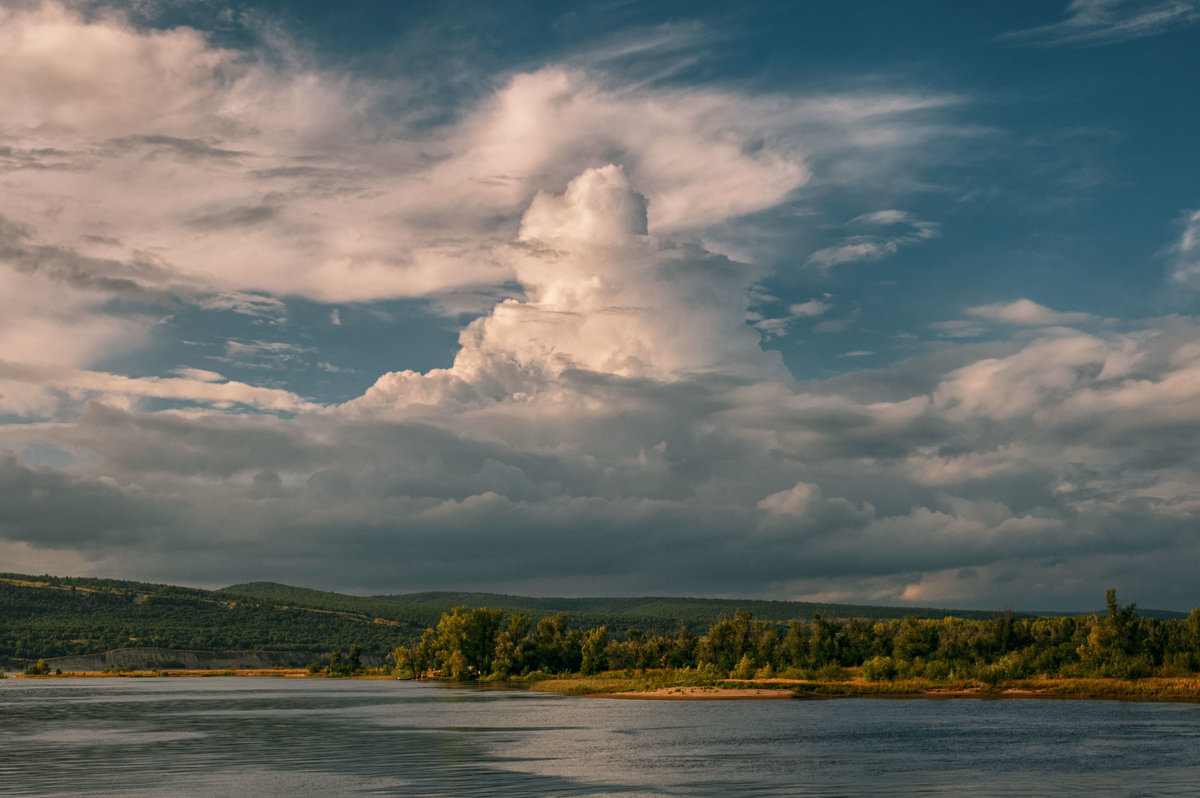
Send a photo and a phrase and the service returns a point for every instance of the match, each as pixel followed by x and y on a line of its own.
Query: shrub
pixel 879 669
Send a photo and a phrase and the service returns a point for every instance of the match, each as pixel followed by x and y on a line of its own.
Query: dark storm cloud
pixel 218 446
pixel 55 510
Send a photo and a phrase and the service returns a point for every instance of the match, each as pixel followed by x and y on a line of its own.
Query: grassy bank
pixel 689 684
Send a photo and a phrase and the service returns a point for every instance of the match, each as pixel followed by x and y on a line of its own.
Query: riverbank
pixel 291 673
pixel 687 686
pixel 282 673
pixel 666 686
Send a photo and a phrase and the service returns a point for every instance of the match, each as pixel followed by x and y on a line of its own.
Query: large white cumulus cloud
pixel 601 296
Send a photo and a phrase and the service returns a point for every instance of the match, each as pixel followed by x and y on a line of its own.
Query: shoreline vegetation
pixel 666 686
pixel 686 685
pixel 1117 655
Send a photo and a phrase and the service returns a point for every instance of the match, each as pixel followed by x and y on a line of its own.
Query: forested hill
pixel 695 612
pixel 46 616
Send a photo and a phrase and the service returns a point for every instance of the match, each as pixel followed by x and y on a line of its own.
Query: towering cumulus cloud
pixel 601 297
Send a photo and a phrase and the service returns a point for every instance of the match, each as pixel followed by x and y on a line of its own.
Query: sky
pixel 871 302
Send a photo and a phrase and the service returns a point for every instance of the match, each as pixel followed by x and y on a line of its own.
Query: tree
pixel 39 669
pixel 683 648
pixel 594 652
pixel 558 649
pixel 822 645
pixel 466 640
pixel 513 647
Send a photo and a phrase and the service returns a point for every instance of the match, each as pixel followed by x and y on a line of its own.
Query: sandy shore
pixel 698 694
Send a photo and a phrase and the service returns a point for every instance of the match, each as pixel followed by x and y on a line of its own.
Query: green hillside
pixel 46 616
pixel 697 612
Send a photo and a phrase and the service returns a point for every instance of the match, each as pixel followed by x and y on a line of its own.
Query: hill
pixel 663 615
pixel 47 616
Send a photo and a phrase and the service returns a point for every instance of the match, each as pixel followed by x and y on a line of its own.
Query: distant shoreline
pixel 660 686
pixel 175 673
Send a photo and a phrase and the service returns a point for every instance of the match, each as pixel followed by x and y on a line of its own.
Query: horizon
pixel 858 304
pixel 391 595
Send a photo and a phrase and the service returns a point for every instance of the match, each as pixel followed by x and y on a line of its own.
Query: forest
pixel 49 616
pixel 481 643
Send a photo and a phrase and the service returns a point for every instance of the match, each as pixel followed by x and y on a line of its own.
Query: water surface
pixel 267 737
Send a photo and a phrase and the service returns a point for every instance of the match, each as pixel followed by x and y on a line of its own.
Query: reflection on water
pixel 266 737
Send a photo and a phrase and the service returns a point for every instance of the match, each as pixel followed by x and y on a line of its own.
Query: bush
pixel 1122 666
pixel 879 669
pixel 832 673
pixel 744 669
pixel 40 668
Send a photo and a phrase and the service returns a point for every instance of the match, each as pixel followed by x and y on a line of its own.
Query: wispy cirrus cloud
pixel 776 326
pixel 1099 22
pixel 1186 252
pixel 900 228
pixel 196 386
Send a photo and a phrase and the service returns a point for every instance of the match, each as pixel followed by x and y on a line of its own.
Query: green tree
pixel 558 648
pixel 594 653
pixel 683 649
pixel 514 648
pixel 41 668
pixel 466 641
pixel 822 644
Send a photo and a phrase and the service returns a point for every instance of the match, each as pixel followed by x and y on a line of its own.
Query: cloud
pixel 198 387
pixel 1026 312
pixel 286 178
pixel 871 246
pixel 602 297
pixel 150 171
pixel 1099 22
pixel 922 481
pixel 261 354
pixel 778 326
pixel 1186 266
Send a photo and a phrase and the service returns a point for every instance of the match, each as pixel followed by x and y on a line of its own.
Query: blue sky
pixel 871 302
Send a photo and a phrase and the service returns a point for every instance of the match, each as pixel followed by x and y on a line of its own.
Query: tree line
pixel 482 643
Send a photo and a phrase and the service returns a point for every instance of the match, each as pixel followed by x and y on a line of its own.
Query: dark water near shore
pixel 268 737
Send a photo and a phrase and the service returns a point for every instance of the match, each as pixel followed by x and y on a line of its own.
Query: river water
pixel 276 737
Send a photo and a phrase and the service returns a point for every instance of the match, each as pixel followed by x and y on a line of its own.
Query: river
pixel 242 737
